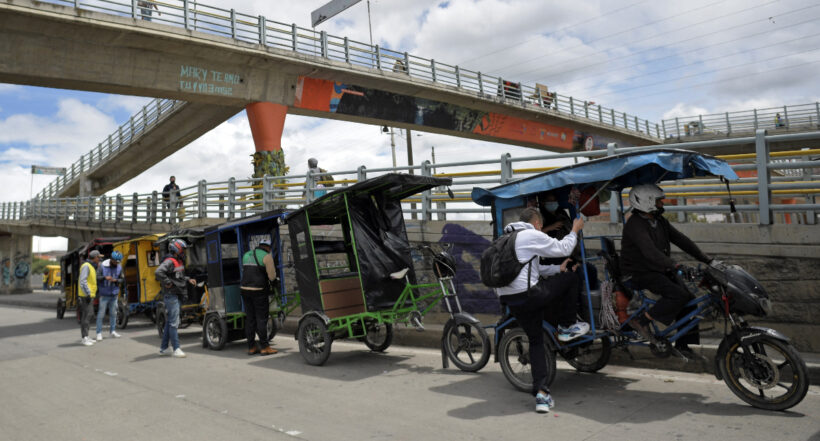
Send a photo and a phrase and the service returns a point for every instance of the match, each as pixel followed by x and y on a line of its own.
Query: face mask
pixel 551 206
pixel 659 211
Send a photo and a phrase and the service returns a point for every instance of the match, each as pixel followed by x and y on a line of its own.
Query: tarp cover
pixel 392 186
pixel 382 247
pixel 625 170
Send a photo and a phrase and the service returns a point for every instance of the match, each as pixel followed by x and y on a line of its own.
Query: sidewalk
pixel 431 338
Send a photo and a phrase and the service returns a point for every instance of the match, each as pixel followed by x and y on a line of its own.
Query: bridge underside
pixel 188 123
pixel 78 49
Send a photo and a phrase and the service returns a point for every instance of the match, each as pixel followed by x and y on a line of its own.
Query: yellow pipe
pixel 772 154
pixel 472 173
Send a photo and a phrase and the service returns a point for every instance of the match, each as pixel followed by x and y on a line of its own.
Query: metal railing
pixel 796 117
pixel 129 132
pixel 229 23
pixel 761 198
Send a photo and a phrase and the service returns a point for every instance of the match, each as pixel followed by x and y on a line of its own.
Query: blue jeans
pixel 172 323
pixel 108 303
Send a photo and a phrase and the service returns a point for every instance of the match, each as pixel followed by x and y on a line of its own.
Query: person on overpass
pixel 539 288
pixel 645 256
pixel 86 292
pixel 171 275
pixel 145 9
pixel 109 290
pixel 169 188
pixel 258 274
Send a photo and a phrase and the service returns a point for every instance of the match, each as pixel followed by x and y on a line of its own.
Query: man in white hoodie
pixel 539 288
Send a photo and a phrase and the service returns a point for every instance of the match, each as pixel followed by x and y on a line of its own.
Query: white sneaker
pixel 178 353
pixel 576 330
pixel 166 351
pixel 99 337
pixel 87 341
pixel 114 334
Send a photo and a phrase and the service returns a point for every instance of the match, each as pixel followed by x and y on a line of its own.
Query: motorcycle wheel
pixel 467 345
pixel 775 378
pixel 591 356
pixel 514 356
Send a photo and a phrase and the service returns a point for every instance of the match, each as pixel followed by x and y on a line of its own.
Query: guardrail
pixel 771 196
pixel 132 130
pixel 795 117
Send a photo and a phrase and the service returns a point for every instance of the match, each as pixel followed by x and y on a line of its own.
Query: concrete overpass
pixel 221 65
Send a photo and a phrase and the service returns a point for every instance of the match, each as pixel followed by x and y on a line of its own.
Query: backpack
pixel 499 262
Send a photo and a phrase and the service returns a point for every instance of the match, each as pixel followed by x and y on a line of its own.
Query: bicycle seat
pixel 398 275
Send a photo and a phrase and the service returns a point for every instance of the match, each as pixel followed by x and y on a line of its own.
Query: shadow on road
pixel 574 393
pixel 41 327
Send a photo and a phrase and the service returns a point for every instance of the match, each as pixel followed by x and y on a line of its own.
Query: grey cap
pixel 313 162
pixel 93 254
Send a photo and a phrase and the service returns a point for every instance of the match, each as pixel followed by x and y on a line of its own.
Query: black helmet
pixel 444 265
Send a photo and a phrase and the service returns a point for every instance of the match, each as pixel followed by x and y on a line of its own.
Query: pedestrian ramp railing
pixel 785 192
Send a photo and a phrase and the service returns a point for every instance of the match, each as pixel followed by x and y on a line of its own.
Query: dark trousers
pixel 554 297
pixel 86 305
pixel 256 316
pixel 670 306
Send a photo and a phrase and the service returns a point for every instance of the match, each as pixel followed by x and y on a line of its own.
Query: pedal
pixel 415 320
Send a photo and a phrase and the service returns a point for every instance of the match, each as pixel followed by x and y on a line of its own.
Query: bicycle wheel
pixel 467 345
pixel 378 337
pixel 774 377
pixel 514 356
pixel 314 341
pixel 591 356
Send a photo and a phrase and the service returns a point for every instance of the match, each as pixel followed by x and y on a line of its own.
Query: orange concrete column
pixel 267 120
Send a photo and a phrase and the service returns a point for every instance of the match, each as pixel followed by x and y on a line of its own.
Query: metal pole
pixel 763 191
pixel 614 196
pixel 393 146
pixel 410 163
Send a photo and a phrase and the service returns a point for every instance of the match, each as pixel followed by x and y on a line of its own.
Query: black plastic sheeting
pixel 304 264
pixel 382 247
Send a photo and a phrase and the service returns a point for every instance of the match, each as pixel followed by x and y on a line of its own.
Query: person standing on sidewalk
pixel 109 290
pixel 171 275
pixel 86 291
pixel 258 272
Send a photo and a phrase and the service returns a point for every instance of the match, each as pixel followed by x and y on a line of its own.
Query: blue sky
pixel 652 59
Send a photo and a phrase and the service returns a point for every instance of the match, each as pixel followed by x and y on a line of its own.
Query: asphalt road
pixel 54 388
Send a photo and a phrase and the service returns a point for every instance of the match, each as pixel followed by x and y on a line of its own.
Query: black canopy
pixel 391 187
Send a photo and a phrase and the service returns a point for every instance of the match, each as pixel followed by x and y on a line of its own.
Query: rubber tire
pixel 731 375
pixel 60 309
pixel 376 344
pixel 215 332
pixel 464 334
pixel 122 315
pixel 313 332
pixel 162 317
pixel 511 345
pixel 596 364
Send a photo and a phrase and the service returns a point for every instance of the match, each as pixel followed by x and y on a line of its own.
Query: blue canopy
pixel 618 172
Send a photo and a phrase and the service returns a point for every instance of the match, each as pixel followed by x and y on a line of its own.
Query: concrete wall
pixel 785 259
pixel 15 263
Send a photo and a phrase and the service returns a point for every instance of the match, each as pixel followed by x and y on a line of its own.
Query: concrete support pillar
pixel 267 120
pixel 88 186
pixel 15 263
